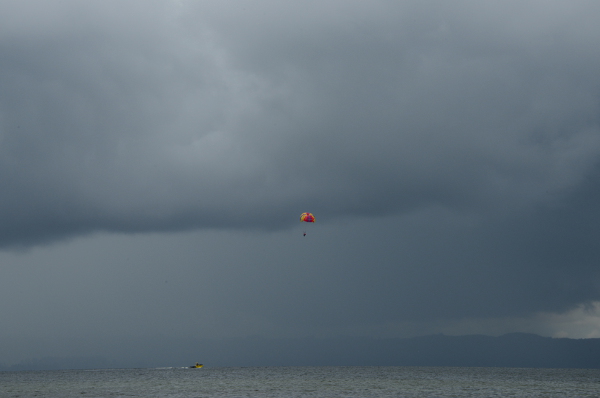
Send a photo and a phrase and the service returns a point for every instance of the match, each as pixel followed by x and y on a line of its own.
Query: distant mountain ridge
pixel 510 350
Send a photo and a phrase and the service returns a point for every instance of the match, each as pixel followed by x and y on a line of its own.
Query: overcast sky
pixel 155 157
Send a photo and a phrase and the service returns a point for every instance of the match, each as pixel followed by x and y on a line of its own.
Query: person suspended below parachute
pixel 307 217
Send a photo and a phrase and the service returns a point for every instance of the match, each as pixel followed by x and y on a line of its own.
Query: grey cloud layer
pixel 473 126
pixel 145 119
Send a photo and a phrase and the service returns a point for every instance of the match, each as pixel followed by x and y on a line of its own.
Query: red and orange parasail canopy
pixel 307 217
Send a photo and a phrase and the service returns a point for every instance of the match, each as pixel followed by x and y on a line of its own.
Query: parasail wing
pixel 307 217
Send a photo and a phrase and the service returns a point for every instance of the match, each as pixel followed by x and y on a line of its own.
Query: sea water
pixel 318 382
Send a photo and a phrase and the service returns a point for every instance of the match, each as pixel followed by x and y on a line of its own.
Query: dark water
pixel 304 382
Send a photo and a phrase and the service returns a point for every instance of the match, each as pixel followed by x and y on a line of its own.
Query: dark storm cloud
pixel 170 116
pixel 451 147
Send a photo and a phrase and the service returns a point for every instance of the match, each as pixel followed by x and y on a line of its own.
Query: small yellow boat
pixel 196 366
